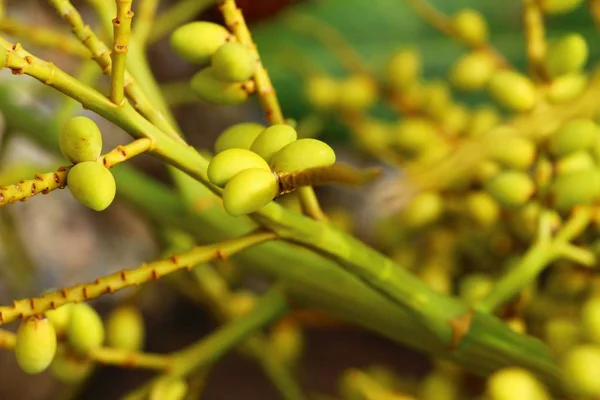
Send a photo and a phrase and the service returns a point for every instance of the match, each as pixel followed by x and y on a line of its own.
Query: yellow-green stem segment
pixel 122 30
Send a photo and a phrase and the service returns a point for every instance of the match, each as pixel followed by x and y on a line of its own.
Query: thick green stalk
pixel 122 29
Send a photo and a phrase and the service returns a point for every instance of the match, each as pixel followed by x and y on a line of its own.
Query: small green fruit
pixel 80 140
pixel 59 318
pixel 590 319
pixel 454 119
pixel 238 136
pixel 69 368
pixel 214 91
pixel 566 88
pixel 125 328
pixel 403 69
pixel 475 287
pixel 425 208
pixel 241 303
pixel 511 188
pixel 505 146
pixel 92 184
pixel 561 334
pixel 323 92
pixel 35 344
pixel 233 62
pixel 482 208
pixel 230 162
pixel 571 189
pixel 556 7
pixel 303 154
pixel 273 139
pixel 575 135
pixel 85 331
pixel 168 389
pixel 515 383
pixel 436 98
pixel 414 135
pixel 578 161
pixel 473 71
pixel 197 41
pixel 470 26
pixel 512 90
pixel 566 55
pixel 249 191
pixel 358 92
pixel 580 368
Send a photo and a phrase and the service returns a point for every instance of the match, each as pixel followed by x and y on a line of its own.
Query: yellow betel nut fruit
pixel 125 328
pixel 511 188
pixel 470 26
pixel 556 7
pixel 515 383
pixel 323 92
pixel 273 139
pixel 59 318
pixel 249 191
pixel 210 89
pixel 80 140
pixel 472 71
pixel 197 41
pixel 86 330
pixel 233 62
pixel 238 136
pixel 580 368
pixel 35 344
pixel 512 90
pixel 403 69
pixel 92 184
pixel 303 154
pixel 230 162
pixel 566 55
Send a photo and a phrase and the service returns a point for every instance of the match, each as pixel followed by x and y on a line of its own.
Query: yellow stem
pixel 122 29
pixel 131 359
pixel 535 39
pixel 126 278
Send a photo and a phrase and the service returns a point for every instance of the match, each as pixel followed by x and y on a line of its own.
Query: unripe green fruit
pixel 414 135
pixel 575 135
pixel 571 189
pixel 233 62
pixel 249 191
pixel 515 383
pixel 80 140
pixel 168 389
pixel 505 146
pixel 35 344
pixel 403 69
pixel 323 92
pixel 512 90
pixel 436 98
pixel 230 162
pixel 578 161
pixel 566 55
pixel 303 154
pixel 511 188
pixel 482 208
pixel 69 368
pixel 559 6
pixel 287 342
pixel 85 331
pixel 438 386
pixel 197 41
pixel 59 318
pixel 238 136
pixel 217 92
pixel 580 368
pixel 358 92
pixel 273 139
pixel 125 328
pixel 423 209
pixel 590 319
pixel 561 334
pixel 472 71
pixel 92 184
pixel 566 88
pixel 474 287
pixel 470 26
pixel 241 303
pixel 483 119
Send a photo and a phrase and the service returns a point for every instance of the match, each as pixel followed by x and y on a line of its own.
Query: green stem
pixel 145 21
pixel 88 75
pixel 213 347
pixel 122 29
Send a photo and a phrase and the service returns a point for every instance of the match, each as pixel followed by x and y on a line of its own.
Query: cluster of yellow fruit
pixel 249 156
pixel 225 81
pixel 90 182
pixel 83 330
